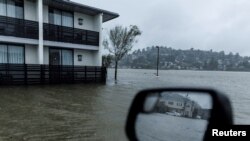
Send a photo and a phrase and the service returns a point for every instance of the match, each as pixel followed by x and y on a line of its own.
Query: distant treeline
pixel 191 59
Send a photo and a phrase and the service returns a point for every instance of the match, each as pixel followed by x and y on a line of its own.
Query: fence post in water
pixel 104 75
pixel 42 73
pixel 7 72
pixel 73 74
pixel 25 74
pixel 158 60
pixel 95 74
pixel 85 77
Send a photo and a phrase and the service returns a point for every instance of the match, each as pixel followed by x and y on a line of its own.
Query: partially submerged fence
pixel 23 74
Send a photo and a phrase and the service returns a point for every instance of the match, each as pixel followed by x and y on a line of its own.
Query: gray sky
pixel 183 24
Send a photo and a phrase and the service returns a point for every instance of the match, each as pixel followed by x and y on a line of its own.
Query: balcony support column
pixel 99 21
pixel 40 22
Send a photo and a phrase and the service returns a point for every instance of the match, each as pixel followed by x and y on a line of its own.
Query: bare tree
pixel 120 41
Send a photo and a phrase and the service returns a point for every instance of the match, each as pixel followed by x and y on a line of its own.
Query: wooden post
pixel 85 79
pixel 25 74
pixel 95 74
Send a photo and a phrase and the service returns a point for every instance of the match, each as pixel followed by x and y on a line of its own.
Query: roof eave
pixel 107 15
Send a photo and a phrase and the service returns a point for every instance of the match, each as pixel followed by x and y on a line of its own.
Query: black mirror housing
pixel 221 113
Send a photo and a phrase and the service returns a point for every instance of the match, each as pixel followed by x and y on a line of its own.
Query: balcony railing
pixel 29 29
pixel 70 35
pixel 18 27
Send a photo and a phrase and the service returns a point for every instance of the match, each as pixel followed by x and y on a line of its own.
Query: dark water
pixel 98 112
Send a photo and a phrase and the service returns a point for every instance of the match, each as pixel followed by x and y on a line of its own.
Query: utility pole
pixel 158 59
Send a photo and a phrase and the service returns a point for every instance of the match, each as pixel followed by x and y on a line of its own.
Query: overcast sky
pixel 183 24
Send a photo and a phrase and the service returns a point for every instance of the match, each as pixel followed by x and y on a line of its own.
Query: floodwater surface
pixel 98 112
pixel 163 127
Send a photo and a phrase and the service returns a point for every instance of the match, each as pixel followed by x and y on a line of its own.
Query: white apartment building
pixel 51 32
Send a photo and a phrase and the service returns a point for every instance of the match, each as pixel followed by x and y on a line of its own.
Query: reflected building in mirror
pixel 180 105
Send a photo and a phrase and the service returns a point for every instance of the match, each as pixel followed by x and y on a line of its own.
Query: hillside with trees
pixel 191 59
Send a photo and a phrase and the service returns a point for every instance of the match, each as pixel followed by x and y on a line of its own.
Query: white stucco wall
pixel 88 21
pixel 98 27
pixel 31 54
pixel 30 10
pixel 97 24
pixel 88 58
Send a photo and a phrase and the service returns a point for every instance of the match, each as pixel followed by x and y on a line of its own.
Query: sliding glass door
pixel 55 57
pixel 61 18
pixel 67 57
pixel 3 54
pixel 61 57
pixel 12 8
pixel 3 11
pixel 15 54
pixel 11 54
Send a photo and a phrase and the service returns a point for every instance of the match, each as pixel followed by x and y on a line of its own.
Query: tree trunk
pixel 116 67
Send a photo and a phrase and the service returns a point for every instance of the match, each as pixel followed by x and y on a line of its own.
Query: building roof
pixel 73 6
pixel 175 97
pixel 178 98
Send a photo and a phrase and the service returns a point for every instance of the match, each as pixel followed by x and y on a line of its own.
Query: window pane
pixel 51 16
pixel 55 17
pixel 15 9
pixel 19 12
pixel 67 57
pixel 67 19
pixel 3 7
pixel 3 54
pixel 11 11
pixel 16 54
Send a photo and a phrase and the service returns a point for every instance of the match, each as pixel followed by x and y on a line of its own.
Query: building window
pixel 61 18
pixel 3 54
pixel 61 56
pixel 12 8
pixel 11 54
pixel 171 103
pixel 3 8
pixel 179 104
pixel 67 19
pixel 67 57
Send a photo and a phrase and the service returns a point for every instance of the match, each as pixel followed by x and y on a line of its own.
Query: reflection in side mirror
pixel 174 116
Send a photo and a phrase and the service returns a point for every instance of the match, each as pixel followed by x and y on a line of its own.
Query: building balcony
pixel 70 35
pixel 29 29
pixel 18 27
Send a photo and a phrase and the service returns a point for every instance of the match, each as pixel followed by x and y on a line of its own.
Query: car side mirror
pixel 177 114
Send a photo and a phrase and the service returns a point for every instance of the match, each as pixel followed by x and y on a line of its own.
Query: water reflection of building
pixel 179 106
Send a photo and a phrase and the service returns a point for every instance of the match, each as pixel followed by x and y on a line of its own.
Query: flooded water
pixel 98 112
pixel 163 127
